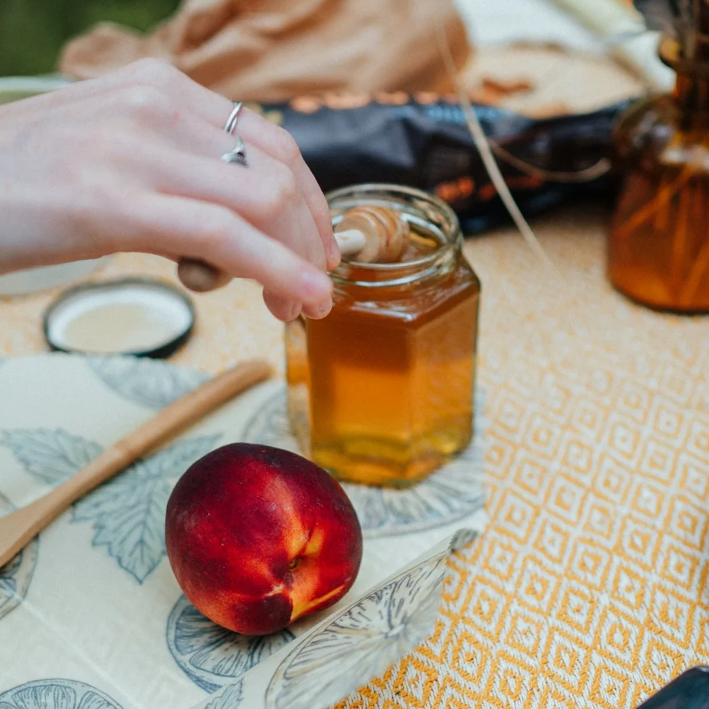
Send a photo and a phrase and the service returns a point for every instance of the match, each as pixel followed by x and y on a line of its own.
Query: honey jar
pixel 381 390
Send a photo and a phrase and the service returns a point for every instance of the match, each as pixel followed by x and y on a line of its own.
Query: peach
pixel 258 537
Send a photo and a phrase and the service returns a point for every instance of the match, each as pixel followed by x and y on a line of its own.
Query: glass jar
pixel 381 390
pixel 658 249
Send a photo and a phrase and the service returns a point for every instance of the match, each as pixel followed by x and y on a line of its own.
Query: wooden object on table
pixel 383 231
pixel 18 528
pixel 371 234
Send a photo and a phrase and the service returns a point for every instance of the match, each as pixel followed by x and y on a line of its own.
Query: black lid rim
pixel 163 351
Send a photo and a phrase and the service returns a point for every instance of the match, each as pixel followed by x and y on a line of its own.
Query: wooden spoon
pixel 368 233
pixel 18 528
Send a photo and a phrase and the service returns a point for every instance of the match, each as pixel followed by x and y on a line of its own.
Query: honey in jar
pixel 381 390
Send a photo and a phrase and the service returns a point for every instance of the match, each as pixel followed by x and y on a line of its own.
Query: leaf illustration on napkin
pixel 51 456
pixel 128 512
pixel 16 576
pixel 361 642
pixel 56 694
pixel 144 381
pixel 230 698
pixel 7 580
pixel 212 656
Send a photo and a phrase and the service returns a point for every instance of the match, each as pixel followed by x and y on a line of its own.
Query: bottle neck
pixel 691 92
pixel 397 275
pixel 692 96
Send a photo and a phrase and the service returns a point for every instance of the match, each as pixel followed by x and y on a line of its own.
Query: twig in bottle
pixel 662 200
pixel 679 243
pixel 662 216
pixel 700 265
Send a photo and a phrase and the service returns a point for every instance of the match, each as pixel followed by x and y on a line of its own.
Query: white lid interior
pixel 119 318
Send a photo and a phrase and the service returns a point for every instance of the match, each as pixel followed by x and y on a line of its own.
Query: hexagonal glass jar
pixel 381 390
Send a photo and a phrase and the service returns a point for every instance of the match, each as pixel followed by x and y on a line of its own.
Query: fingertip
pixel 282 308
pixel 316 286
pixel 334 257
pixel 319 310
pixel 293 312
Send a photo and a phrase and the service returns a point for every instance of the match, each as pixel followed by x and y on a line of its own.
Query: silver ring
pixel 237 154
pixel 233 119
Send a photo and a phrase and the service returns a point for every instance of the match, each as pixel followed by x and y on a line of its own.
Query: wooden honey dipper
pixel 366 234
pixel 372 234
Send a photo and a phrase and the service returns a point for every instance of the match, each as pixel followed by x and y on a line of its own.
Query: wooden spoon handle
pixel 199 276
pixel 202 277
pixel 18 528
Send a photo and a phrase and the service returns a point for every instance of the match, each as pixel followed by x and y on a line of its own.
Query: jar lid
pixel 131 316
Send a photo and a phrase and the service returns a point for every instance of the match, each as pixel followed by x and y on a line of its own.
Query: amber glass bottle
pixel 381 390
pixel 658 251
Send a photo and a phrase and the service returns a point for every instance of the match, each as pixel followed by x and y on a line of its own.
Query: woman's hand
pixel 131 162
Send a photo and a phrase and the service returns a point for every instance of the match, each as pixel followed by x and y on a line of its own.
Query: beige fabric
pixel 270 50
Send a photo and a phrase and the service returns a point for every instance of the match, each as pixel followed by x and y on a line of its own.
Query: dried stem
pixel 700 265
pixel 486 154
pixel 663 198
pixel 679 243
pixel 662 216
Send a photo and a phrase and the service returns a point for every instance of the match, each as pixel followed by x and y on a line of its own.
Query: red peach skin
pixel 258 537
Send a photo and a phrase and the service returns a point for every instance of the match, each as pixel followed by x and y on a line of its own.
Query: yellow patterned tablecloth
pixel 590 587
